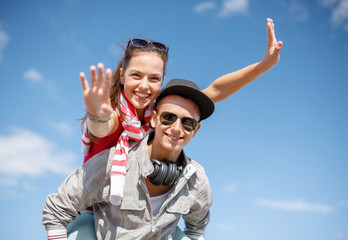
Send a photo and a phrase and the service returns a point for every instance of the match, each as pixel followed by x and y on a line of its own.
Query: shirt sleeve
pixel 198 217
pixel 81 189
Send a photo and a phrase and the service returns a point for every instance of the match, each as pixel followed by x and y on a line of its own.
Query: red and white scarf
pixel 133 130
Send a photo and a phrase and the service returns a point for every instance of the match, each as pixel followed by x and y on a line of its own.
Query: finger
pixel 269 34
pixel 279 45
pixel 107 82
pixel 273 31
pixel 93 76
pixel 84 81
pixel 270 28
pixel 101 79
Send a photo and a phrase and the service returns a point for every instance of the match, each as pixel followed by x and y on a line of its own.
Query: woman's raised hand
pixel 273 46
pixel 96 97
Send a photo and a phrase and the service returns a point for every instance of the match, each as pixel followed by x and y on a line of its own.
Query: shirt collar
pixel 146 166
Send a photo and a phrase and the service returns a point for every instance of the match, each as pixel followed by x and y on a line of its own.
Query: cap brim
pixel 205 104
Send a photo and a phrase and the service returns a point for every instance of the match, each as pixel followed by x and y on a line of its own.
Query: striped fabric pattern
pixel 86 143
pixel 133 130
pixel 57 235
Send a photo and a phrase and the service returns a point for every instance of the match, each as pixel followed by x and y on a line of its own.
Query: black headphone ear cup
pixel 156 167
pixel 171 174
pixel 177 172
pixel 165 173
pixel 162 172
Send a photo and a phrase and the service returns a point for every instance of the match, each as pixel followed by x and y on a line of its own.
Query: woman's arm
pixel 228 84
pixel 97 101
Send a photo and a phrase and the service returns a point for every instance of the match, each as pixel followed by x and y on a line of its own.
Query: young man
pixel 162 184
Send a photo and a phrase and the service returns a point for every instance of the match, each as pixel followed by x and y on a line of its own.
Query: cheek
pixel 129 82
pixel 155 88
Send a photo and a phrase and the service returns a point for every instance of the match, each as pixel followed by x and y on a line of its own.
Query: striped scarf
pixel 132 130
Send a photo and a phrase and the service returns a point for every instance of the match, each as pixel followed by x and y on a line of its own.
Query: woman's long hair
pixel 116 84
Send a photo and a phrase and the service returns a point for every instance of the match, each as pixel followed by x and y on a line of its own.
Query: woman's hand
pixel 96 97
pixel 273 47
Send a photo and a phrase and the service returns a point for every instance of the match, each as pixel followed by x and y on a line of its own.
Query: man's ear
pixel 153 119
pixel 196 130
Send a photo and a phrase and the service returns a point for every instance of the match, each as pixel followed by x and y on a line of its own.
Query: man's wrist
pixel 58 234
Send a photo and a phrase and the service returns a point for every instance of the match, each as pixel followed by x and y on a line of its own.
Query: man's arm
pixel 198 217
pixel 80 190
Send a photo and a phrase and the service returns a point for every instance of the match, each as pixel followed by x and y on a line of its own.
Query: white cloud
pixel 32 75
pixel 12 194
pixel 27 154
pixel 64 128
pixel 256 185
pixel 327 3
pixel 4 38
pixel 339 235
pixel 202 7
pixel 340 13
pixel 343 203
pixel 49 87
pixel 298 11
pixel 295 206
pixel 233 6
pixel 8 182
pixel 232 187
pixel 226 227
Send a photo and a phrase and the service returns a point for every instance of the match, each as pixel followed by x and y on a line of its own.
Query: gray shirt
pixel 133 219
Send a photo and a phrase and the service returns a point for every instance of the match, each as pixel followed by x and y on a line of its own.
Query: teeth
pixel 141 94
pixel 174 138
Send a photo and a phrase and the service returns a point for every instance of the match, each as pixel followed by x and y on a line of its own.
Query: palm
pixel 273 46
pixel 96 97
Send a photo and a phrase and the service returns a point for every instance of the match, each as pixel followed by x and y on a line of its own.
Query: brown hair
pixel 116 85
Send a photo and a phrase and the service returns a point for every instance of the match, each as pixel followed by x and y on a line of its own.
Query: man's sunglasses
pixel 168 118
pixel 143 43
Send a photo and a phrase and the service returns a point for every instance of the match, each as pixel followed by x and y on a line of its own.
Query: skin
pixel 142 80
pixel 169 140
pixel 97 99
pixel 98 103
pixel 228 84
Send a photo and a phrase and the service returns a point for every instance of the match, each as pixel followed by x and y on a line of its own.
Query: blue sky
pixel 275 152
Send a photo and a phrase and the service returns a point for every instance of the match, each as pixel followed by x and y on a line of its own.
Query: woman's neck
pixel 140 113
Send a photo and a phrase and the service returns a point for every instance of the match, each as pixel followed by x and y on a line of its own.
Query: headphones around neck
pixel 165 172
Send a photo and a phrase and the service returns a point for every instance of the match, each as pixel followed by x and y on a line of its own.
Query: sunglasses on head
pixel 168 118
pixel 137 42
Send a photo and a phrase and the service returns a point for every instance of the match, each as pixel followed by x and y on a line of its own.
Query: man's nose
pixel 176 126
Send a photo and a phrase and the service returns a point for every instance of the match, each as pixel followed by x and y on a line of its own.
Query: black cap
pixel 190 90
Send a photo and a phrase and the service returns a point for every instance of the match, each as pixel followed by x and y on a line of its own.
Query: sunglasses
pixel 137 42
pixel 168 118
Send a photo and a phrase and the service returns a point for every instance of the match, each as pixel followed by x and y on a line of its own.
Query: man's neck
pixel 155 151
